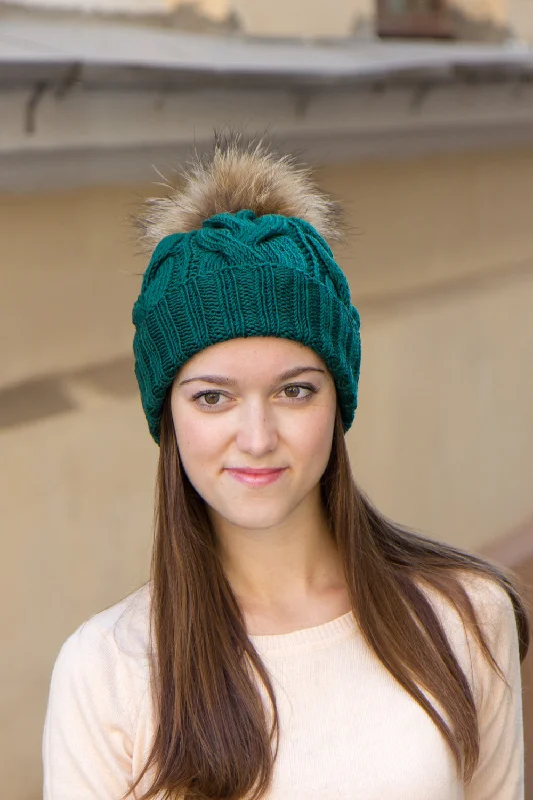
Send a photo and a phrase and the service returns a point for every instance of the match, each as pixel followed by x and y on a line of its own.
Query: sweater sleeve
pixel 87 742
pixel 500 771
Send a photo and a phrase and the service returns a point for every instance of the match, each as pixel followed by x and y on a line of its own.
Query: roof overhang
pixel 87 102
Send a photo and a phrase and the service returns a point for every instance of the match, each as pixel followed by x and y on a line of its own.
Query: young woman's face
pixel 261 403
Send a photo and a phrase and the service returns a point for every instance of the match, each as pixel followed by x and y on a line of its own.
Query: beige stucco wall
pixel 521 18
pixel 440 261
pixel 76 517
pixel 441 265
pixel 301 17
pixel 213 8
pixel 253 17
pixel 133 6
pixel 289 18
pixel 495 10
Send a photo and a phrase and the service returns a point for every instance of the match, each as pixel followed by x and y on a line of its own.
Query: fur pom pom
pixel 237 176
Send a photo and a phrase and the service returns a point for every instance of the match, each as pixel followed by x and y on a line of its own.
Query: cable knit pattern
pixel 242 275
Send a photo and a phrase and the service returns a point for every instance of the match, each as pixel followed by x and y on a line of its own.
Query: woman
pixel 293 644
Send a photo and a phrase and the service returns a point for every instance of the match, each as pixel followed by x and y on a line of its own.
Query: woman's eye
pixel 294 392
pixel 208 398
pixel 211 399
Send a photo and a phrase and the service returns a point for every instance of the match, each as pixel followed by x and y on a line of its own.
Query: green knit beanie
pixel 243 275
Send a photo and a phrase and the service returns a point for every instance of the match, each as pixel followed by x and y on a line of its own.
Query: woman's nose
pixel 257 433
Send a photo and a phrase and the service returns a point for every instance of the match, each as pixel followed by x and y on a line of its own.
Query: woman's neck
pixel 286 577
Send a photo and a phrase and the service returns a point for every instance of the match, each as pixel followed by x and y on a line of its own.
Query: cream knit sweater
pixel 348 730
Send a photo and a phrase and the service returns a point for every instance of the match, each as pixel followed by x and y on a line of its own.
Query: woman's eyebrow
pixel 222 380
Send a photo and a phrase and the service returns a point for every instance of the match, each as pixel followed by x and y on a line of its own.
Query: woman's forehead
pixel 266 356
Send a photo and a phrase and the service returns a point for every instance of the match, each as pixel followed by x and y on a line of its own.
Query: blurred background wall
pixel 436 174
pixel 302 18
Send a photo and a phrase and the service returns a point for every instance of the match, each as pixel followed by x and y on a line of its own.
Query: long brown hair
pixel 212 737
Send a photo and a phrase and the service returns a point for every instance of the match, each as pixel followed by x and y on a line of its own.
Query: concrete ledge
pixel 109 136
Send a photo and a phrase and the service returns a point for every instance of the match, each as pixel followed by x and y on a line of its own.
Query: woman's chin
pixel 254 519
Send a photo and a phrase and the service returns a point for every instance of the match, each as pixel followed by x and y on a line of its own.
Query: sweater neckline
pixel 314 638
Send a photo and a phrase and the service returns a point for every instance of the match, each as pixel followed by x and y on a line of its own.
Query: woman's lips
pixel 256 477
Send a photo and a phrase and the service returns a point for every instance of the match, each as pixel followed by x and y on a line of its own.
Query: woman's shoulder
pixel 99 695
pixel 124 625
pixel 494 613
pixel 490 600
pixel 111 647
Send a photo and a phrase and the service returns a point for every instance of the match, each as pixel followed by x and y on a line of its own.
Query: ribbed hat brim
pixel 244 301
